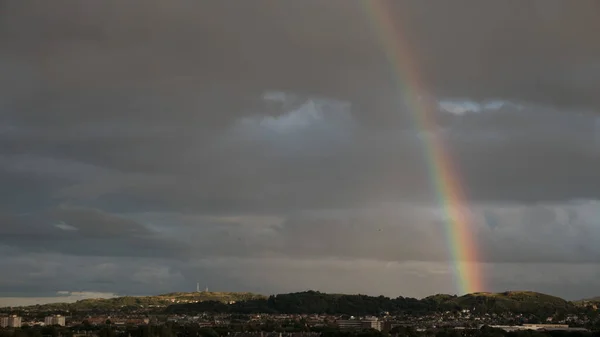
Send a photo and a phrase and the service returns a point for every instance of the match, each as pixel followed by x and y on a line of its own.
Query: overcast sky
pixel 266 146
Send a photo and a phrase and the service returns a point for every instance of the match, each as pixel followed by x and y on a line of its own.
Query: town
pixel 173 313
pixel 302 322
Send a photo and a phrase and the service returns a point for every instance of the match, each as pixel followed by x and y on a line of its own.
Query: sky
pixel 267 146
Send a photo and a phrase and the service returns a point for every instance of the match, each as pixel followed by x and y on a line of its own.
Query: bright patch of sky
pixel 302 124
pixel 462 107
pixel 305 116
pixel 65 227
pixel 313 112
pixel 60 297
pixel 459 107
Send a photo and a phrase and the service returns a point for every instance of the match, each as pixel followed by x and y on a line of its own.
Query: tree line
pixel 314 302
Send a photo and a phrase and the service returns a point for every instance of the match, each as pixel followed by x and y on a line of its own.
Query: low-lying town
pixel 282 322
pixel 286 315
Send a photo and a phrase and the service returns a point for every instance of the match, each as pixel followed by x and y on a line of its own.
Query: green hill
pixel 514 301
pixel 588 301
pixel 524 302
pixel 157 301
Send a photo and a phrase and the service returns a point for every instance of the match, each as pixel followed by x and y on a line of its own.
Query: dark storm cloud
pixel 531 50
pixel 142 88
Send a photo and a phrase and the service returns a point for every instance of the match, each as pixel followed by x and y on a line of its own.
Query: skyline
pixel 394 147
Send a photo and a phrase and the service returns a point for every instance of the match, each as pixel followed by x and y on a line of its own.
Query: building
pixel 55 320
pixel 372 323
pixel 545 326
pixel 355 324
pixel 13 321
pixel 538 327
pixel 349 324
pixel 389 325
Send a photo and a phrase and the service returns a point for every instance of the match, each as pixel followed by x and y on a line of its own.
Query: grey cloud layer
pixel 187 140
pixel 82 231
pixel 283 186
pixel 527 50
pixel 45 273
pixel 544 233
pixel 314 156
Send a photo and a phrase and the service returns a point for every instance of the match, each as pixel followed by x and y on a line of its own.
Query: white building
pixel 13 321
pixel 55 320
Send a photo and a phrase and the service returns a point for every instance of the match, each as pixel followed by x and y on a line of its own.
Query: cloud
pixel 65 227
pixel 460 108
pixel 84 231
pixel 266 51
pixel 320 145
pixel 314 126
pixel 547 246
pixel 41 275
pixel 277 187
pixel 399 232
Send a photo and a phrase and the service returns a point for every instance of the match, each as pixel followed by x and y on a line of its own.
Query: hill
pixel 588 301
pixel 524 302
pixel 158 301
pixel 514 301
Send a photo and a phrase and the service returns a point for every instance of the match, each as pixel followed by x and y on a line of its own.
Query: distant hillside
pixel 305 302
pixel 588 301
pixel 525 302
pixel 315 302
pixel 515 301
pixel 148 301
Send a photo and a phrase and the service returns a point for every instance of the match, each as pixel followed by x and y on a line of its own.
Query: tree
pixel 207 332
pixel 106 332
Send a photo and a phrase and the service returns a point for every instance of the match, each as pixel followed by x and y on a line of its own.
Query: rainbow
pixel 445 178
